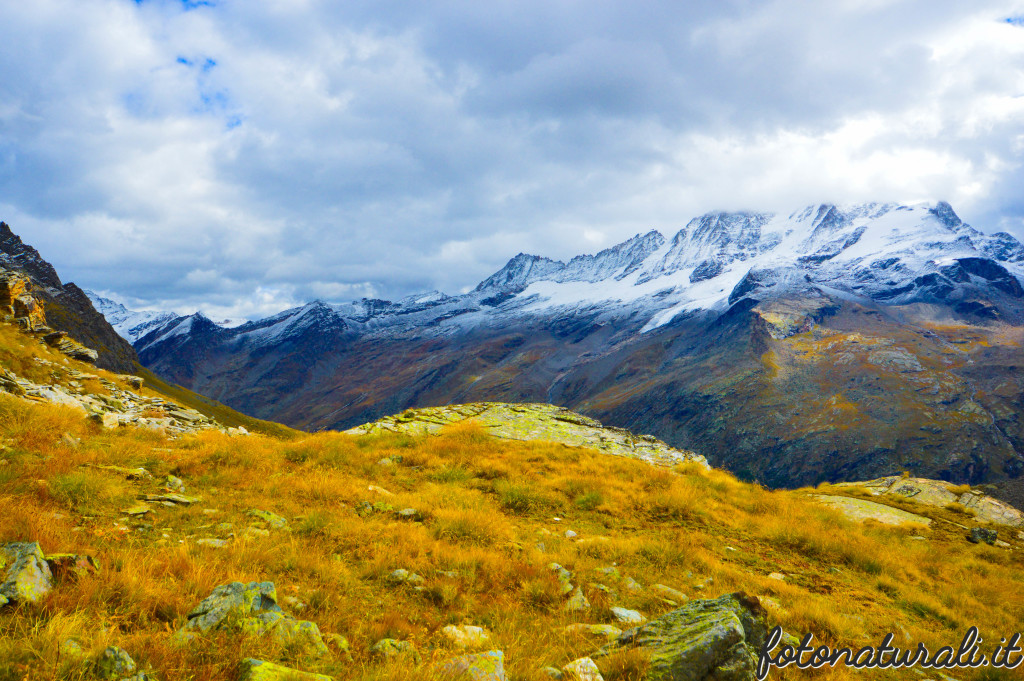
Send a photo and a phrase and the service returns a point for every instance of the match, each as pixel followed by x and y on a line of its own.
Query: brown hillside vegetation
pixel 482 536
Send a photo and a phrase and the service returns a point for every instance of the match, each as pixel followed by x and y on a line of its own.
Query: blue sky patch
pixel 1016 21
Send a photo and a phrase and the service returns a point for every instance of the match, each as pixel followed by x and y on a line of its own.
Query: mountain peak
pixel 519 272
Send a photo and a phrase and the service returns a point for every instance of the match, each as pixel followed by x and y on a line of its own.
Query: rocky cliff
pixel 68 308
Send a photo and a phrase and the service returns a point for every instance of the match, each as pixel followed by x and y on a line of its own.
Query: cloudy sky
pixel 242 156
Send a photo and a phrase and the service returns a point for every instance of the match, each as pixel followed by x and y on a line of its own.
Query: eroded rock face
pixel 28 577
pixel 252 609
pixel 534 422
pixel 16 300
pixel 716 639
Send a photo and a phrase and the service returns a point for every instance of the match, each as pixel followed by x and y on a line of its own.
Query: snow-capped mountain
pixel 883 252
pixel 134 324
pixel 830 342
pixel 130 324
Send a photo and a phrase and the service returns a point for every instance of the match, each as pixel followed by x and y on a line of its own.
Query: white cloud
pixel 244 157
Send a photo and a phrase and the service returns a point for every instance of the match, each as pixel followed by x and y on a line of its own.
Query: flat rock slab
pixel 529 422
pixel 862 509
pixel 941 493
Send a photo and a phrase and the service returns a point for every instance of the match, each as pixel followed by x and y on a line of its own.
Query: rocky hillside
pixel 825 345
pixel 478 542
pixel 68 308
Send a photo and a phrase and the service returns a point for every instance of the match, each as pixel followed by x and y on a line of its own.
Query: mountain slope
pixel 126 544
pixel 831 343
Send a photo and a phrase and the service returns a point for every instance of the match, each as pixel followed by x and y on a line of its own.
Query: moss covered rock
pixel 28 577
pixel 252 610
pixel 489 666
pixel 258 670
pixel 544 422
pixel 706 639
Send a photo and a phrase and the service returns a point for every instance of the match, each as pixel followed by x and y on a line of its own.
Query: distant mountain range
pixel 830 343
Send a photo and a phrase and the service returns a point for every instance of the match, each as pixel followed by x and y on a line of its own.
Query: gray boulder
pixel 28 577
pixel 114 663
pixel 717 639
pixel 252 609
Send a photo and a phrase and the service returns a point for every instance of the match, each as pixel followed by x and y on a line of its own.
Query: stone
pixel 64 343
pixel 553 673
pixel 134 382
pixel 777 576
pixel 583 669
pixel 564 577
pixel 275 521
pixel 137 510
pixel 605 631
pixel 403 576
pixel 255 532
pixel 114 663
pixel 172 499
pixel 466 636
pixel 28 578
pixel 569 534
pixel 578 601
pixel 1001 544
pixel 109 419
pixel 212 542
pixel 409 514
pixel 717 639
pixel 669 593
pixel 627 616
pixel 340 644
pixel 258 670
pixel 389 648
pixel 630 584
pixel 610 572
pixel 380 490
pixel 982 534
pixel 71 565
pixel 252 609
pixel 70 649
pixel 175 484
pixel 489 666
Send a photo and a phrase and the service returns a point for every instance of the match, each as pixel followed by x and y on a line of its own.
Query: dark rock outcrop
pixel 66 306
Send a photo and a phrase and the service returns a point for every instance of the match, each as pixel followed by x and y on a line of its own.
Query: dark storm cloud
pixel 242 157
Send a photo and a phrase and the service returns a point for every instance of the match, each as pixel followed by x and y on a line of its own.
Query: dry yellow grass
pixel 484 505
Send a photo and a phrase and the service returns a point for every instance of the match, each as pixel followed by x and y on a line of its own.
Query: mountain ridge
pixel 834 342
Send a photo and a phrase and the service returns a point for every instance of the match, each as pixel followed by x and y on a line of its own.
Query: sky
pixel 244 157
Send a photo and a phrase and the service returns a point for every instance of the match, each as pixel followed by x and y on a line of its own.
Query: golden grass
pixel 487 512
